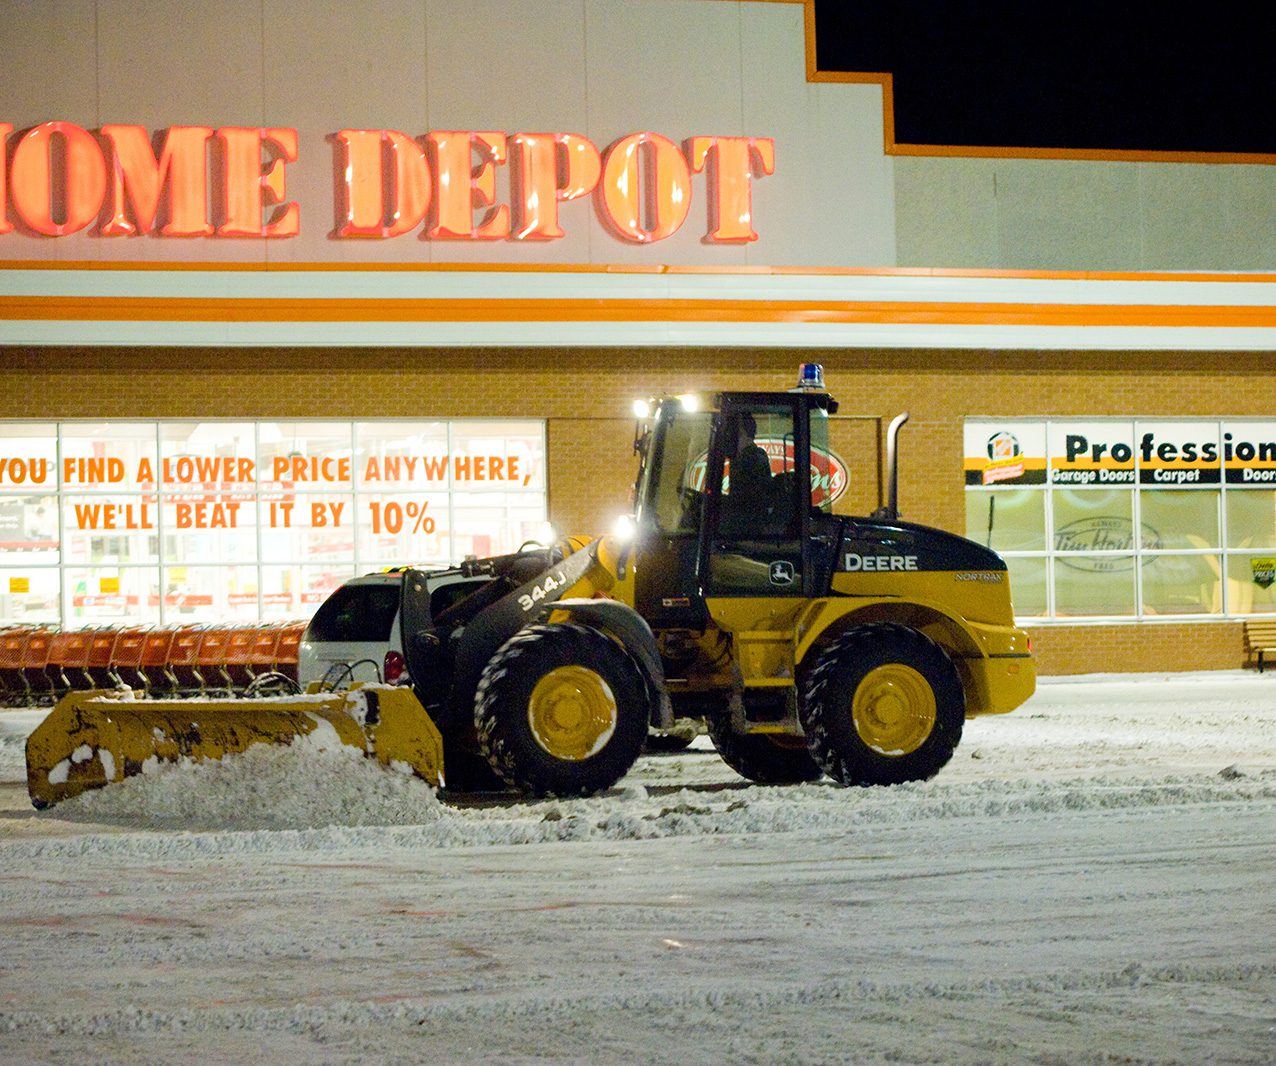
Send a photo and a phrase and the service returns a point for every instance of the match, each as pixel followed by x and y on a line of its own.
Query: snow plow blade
pixel 91 739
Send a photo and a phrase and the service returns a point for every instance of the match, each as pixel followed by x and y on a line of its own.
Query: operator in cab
pixel 747 495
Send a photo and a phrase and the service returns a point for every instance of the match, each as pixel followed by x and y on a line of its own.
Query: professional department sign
pixel 1092 453
pixel 1112 453
pixel 196 181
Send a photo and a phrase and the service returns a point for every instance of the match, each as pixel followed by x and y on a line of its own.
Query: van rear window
pixel 356 613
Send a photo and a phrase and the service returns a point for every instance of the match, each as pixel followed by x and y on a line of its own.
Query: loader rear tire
pixel 883 705
pixel 561 710
pixel 764 758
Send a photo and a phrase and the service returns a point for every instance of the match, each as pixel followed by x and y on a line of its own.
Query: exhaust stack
pixel 890 508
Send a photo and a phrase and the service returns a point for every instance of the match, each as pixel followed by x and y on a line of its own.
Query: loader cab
pixel 725 505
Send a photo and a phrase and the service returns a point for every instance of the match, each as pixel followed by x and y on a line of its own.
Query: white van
pixel 354 636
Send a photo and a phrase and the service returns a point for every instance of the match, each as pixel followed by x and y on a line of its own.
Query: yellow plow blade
pixel 91 739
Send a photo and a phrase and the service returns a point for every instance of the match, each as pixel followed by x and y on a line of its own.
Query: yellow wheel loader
pixel 811 643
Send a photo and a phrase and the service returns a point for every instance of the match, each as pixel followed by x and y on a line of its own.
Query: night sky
pixel 1109 76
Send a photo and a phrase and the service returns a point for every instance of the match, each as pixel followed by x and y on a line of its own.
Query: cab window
pixel 759 473
pixel 678 470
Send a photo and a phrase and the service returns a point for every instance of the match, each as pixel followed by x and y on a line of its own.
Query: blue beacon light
pixel 811 376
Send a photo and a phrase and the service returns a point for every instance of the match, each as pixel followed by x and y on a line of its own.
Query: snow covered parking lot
pixel 1092 880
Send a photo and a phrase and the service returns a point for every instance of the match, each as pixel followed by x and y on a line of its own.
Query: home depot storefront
pixel 558 419
pixel 249 360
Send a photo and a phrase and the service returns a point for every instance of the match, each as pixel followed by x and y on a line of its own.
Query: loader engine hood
pixel 869 545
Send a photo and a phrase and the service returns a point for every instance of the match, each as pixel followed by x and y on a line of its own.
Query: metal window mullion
pixel 159 522
pixel 451 507
pixel 257 515
pixel 1050 540
pixel 1224 536
pixel 1136 513
pixel 354 489
pixel 64 602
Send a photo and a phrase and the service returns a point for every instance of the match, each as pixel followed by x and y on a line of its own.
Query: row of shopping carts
pixel 39 664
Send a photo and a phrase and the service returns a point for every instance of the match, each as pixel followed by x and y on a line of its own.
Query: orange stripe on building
pixel 639 269
pixel 179 309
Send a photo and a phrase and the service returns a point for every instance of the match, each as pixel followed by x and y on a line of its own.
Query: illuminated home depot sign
pixel 232 182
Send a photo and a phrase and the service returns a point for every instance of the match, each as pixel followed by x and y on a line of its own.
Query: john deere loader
pixel 812 644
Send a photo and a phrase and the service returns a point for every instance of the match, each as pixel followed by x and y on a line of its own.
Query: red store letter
pixel 137 177
pixel 366 191
pixel 84 178
pixel 249 189
pixel 6 226
pixel 731 171
pixel 464 187
pixel 549 167
pixel 651 163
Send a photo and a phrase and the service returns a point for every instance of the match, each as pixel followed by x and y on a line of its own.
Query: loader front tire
pixel 561 710
pixel 883 705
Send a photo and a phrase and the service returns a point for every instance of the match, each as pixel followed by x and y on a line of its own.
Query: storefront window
pixel 1028 581
pixel 207 521
pixel 111 595
pixel 30 594
pixel 1007 519
pixel 1106 518
pixel 1251 584
pixel 296 591
pixel 1251 519
pixel 1181 584
pixel 29 529
pixel 1097 519
pixel 417 526
pixel 210 593
pixel 1180 518
pixel 1094 585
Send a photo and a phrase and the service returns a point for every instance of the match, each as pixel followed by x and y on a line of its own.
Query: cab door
pixel 667 587
pixel 758 521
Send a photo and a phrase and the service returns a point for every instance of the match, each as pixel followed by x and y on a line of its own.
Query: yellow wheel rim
pixel 893 709
pixel 572 713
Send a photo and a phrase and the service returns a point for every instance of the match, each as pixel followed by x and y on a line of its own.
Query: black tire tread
pixel 757 757
pixel 826 717
pixel 505 740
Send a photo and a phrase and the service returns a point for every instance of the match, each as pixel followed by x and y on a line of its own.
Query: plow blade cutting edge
pixel 91 739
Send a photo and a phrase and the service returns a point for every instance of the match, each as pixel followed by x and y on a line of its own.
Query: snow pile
pixel 316 781
pixel 15 727
pixel 13 758
pixel 336 804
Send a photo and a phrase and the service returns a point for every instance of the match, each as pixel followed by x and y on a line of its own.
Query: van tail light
pixel 393 667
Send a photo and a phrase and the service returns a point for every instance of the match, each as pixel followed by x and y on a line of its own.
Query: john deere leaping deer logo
pixel 782 572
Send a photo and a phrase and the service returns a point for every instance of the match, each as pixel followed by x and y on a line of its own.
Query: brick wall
pixel 585 395
pixel 1137 647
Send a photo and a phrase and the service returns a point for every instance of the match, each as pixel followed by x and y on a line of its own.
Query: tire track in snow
pixel 310 1018
pixel 633 815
